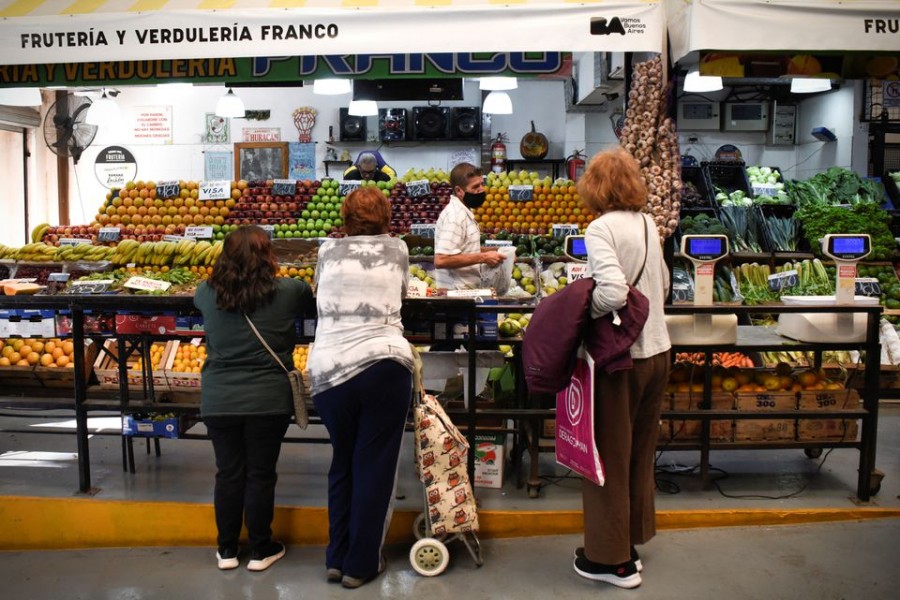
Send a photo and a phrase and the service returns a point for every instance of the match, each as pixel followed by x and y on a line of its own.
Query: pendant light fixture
pixel 809 85
pixel 331 87
pixel 230 105
pixel 498 84
pixel 362 108
pixel 697 83
pixel 497 103
pixel 103 111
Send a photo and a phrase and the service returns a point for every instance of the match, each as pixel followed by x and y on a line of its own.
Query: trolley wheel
pixel 813 452
pixel 875 482
pixel 429 557
pixel 420 529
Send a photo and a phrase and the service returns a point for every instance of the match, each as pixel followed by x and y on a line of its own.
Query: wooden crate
pixel 828 429
pixel 64 377
pixel 765 429
pixel 107 369
pixel 689 429
pixel 13 376
pixel 180 382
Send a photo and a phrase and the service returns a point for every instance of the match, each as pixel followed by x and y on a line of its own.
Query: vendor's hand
pixel 492 258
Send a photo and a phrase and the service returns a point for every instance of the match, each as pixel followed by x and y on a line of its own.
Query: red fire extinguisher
pixel 498 155
pixel 575 165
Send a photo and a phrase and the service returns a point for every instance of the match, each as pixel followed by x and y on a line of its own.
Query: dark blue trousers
pixel 247 449
pixel 365 417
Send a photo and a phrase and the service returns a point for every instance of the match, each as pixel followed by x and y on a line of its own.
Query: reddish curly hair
pixel 366 211
pixel 612 181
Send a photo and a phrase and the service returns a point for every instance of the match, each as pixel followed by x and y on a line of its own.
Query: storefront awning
pixel 783 25
pixel 50 31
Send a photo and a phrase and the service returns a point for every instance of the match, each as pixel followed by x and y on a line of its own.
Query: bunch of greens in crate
pixel 819 219
pixel 753 283
pixel 735 198
pixel 742 223
pixel 835 186
pixel 769 178
pixel 814 278
pixel 783 232
pixel 702 224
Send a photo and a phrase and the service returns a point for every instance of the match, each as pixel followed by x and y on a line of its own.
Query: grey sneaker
pixel 267 555
pixel 334 575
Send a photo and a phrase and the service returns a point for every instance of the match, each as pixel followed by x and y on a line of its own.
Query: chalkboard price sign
pixel 521 192
pixel 284 187
pixel 167 189
pixel 346 187
pixel 418 188
pixel 108 234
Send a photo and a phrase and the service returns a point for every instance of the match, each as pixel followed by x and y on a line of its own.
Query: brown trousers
pixel 627 407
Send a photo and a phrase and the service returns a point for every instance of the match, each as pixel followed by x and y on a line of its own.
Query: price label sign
pixel 284 187
pixel 215 190
pixel 417 289
pixel 108 234
pixel 346 187
pixel 270 229
pixel 682 292
pixel 173 238
pixel 418 188
pixel 497 243
pixel 521 192
pixel 58 277
pixel 73 241
pixel 203 232
pixel 561 230
pixel 868 286
pixel 764 189
pixel 781 281
pixel 167 189
pixel 576 271
pixel 425 230
pixel 148 285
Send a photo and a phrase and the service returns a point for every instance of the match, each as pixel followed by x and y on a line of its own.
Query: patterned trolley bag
pixel 441 451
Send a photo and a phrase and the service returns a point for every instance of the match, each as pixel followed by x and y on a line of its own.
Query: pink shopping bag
pixel 575 446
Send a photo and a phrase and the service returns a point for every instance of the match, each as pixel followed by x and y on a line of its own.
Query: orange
pixel 4 362
pixel 46 360
pixel 14 357
pixel 62 360
pixel 57 352
pixel 33 358
pixel 68 347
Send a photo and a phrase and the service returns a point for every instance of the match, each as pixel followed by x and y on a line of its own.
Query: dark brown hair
pixel 244 275
pixel 613 181
pixel 462 173
pixel 366 211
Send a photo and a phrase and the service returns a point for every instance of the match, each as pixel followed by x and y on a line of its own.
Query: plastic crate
pixel 783 211
pixel 727 176
pixel 891 188
pixel 695 176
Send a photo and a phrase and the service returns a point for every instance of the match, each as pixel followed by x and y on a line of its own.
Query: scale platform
pixel 824 328
pixel 702 329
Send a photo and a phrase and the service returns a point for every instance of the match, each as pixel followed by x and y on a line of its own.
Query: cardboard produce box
pixel 828 429
pixel 765 429
pixel 489 452
pixel 187 376
pixel 106 368
pixel 689 429
pixel 138 427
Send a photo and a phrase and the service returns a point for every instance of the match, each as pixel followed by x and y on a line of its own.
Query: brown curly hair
pixel 244 277
pixel 612 181
pixel 366 211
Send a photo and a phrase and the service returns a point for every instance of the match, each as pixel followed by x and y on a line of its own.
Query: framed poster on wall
pixel 260 160
pixel 217 166
pixel 302 161
pixel 217 129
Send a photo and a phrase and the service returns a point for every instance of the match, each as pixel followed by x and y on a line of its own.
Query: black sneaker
pixel 579 553
pixel 227 558
pixel 624 575
pixel 334 575
pixel 265 556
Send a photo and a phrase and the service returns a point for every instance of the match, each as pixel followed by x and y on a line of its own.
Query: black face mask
pixel 474 200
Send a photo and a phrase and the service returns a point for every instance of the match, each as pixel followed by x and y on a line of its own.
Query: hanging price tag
pixel 215 190
pixel 521 192
pixel 418 188
pixel 284 187
pixel 167 189
pixel 149 285
pixel 108 234
pixel 346 187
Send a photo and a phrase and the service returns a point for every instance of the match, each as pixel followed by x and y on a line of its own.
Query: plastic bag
pixel 499 277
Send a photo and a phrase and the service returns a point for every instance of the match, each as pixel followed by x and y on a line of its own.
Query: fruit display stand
pixel 783 409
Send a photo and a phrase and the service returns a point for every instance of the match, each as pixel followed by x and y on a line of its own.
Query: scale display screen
pixel 705 247
pixel 848 246
pixel 575 247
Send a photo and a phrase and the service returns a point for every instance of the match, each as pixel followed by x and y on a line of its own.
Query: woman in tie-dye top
pixel 360 370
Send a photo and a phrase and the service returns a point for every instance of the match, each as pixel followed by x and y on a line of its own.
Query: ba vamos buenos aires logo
pixel 604 26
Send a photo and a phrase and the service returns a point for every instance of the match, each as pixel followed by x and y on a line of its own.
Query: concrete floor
pixel 843 561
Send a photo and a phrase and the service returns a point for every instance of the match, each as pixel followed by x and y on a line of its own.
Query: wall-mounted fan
pixel 65 130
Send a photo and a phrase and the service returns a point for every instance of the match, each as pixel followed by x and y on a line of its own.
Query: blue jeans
pixel 365 417
pixel 247 449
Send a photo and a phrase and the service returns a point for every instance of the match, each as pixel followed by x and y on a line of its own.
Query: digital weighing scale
pixel 704 251
pixel 846 250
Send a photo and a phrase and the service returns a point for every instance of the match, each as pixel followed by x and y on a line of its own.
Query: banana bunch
pixel 83 252
pixel 37 234
pixel 155 253
pixel 125 252
pixel 35 252
pixel 184 252
pixel 7 252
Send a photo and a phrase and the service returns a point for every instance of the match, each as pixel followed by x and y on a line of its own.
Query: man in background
pixel 368 167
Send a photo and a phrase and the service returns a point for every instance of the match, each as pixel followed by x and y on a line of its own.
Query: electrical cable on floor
pixel 763 496
pixel 556 479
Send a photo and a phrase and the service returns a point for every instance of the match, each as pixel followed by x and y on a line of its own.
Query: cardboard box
pixel 828 429
pixel 179 381
pixel 689 429
pixel 27 323
pixel 106 368
pixel 158 324
pixel 765 429
pixel 489 453
pixel 64 377
pixel 93 323
pixel 132 426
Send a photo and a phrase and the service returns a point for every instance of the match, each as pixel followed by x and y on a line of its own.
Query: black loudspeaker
pixel 431 123
pixel 465 123
pixel 392 124
pixel 352 129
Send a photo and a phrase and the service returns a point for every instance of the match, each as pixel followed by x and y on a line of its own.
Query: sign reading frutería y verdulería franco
pixel 115 166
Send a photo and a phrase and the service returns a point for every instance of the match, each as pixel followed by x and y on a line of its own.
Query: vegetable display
pixel 835 186
pixel 649 135
pixel 819 219
pixel 742 223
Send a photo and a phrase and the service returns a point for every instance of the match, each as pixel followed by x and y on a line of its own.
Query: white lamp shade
pixel 809 85
pixel 497 103
pixel 230 106
pixel 492 84
pixel 20 97
pixel 362 108
pixel 103 112
pixel 697 83
pixel 332 87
